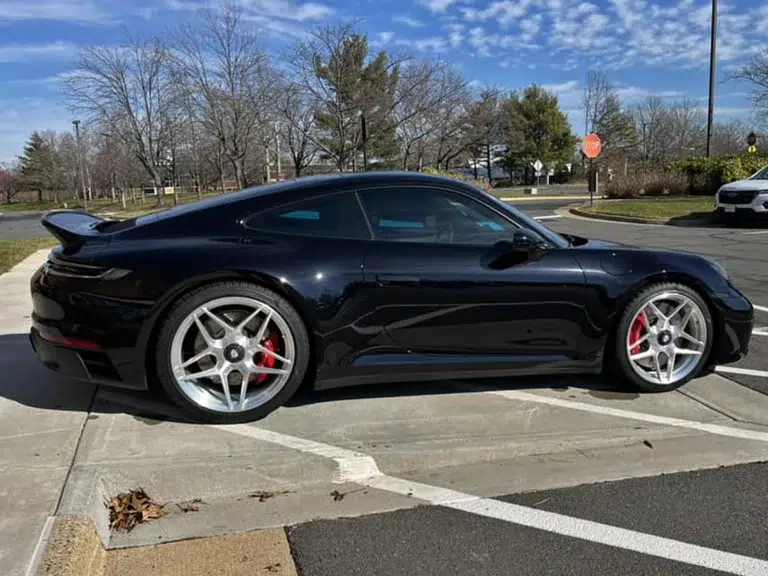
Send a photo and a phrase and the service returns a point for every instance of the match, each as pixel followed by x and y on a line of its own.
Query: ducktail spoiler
pixel 72 227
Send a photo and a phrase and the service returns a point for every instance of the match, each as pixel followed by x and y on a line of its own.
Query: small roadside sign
pixel 591 146
pixel 751 141
pixel 538 165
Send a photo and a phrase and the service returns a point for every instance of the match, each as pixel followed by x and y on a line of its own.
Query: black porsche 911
pixel 230 304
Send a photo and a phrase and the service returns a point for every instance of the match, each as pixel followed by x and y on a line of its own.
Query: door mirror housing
pixel 525 246
pixel 528 242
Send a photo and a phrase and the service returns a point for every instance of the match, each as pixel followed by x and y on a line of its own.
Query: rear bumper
pixel 96 366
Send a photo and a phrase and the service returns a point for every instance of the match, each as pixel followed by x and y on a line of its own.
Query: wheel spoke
pixel 265 370
pixel 637 342
pixel 204 331
pixel 225 388
pixel 274 355
pixel 686 319
pixel 249 319
pixel 244 391
pixel 679 309
pixel 642 355
pixel 692 339
pixel 224 325
pixel 670 365
pixel 657 367
pixel 204 354
pixel 203 374
pixel 262 329
pixel 656 312
pixel 687 352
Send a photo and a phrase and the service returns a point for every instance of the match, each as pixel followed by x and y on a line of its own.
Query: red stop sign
pixel 591 146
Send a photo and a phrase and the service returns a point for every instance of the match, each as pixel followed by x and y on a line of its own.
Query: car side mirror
pixel 525 245
pixel 528 241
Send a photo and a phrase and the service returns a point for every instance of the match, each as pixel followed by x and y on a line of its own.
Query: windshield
pixel 761 175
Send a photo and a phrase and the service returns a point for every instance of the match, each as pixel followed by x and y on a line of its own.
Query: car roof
pixel 304 187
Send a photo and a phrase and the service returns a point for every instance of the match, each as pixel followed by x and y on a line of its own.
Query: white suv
pixel 744 197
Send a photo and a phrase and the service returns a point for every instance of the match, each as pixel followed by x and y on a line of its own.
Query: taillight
pixel 58 266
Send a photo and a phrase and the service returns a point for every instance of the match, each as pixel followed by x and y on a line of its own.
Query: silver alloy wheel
pixel 666 338
pixel 219 351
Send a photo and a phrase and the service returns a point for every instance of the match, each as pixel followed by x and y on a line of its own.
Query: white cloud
pixel 85 11
pixel 37 52
pixel 408 21
pixel 438 5
pixel 505 12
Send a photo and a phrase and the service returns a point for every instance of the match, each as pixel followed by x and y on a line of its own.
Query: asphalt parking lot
pixel 534 476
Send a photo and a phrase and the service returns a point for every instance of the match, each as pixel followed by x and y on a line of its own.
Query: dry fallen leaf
pixel 647 443
pixel 128 509
pixel 190 506
pixel 263 495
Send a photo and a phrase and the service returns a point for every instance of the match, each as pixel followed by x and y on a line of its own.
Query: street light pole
pixel 80 162
pixel 712 58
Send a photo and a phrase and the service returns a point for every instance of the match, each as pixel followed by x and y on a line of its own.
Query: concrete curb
pixel 694 221
pixel 530 198
pixel 75 549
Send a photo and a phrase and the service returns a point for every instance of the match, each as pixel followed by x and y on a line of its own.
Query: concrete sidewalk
pixel 40 426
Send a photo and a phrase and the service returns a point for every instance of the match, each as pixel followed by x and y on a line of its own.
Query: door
pixel 438 291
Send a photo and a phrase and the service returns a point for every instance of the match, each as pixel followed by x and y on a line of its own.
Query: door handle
pixel 396 279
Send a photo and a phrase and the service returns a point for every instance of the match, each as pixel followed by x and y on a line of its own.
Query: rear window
pixel 336 216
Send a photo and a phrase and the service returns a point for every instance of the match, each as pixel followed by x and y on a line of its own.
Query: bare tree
pixel 755 72
pixel 10 181
pixel 687 126
pixel 225 73
pixel 130 87
pixel 603 115
pixel 593 101
pixel 427 92
pixel 297 119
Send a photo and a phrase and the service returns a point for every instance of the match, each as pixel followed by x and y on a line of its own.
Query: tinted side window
pixel 336 216
pixel 432 215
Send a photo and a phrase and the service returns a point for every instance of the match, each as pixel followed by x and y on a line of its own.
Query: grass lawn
pixel 655 208
pixel 14 251
pixel 105 205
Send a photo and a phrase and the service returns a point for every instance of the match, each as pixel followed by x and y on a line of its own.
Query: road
pixel 14 226
pixel 556 475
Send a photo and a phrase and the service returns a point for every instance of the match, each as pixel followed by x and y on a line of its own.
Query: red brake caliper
pixel 636 332
pixel 267 360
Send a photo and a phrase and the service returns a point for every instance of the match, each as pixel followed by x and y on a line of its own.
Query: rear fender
pixel 151 329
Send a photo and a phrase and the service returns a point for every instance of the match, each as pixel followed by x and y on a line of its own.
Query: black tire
pixel 195 298
pixel 622 362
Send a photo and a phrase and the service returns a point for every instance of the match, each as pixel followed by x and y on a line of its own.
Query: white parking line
pixel 755 232
pixel 742 371
pixel 760 331
pixel 361 468
pixel 553 217
pixel 718 429
pixel 761 308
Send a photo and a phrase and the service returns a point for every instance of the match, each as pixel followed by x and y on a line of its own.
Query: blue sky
pixel 644 46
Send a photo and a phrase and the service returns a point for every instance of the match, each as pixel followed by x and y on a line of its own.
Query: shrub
pixel 706 175
pixel 653 184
